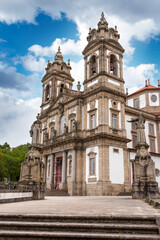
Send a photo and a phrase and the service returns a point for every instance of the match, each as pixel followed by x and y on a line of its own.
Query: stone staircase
pixel 56 192
pixel 40 227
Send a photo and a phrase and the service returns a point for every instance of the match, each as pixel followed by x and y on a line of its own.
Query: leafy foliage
pixel 10 161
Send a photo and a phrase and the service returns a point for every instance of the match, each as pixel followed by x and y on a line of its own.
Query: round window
pixel 154 98
pixel 157 172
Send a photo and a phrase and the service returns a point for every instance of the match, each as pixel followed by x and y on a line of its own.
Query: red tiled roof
pixel 156 114
pixel 149 86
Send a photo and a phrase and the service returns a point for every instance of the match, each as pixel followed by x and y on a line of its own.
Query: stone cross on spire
pixel 102 23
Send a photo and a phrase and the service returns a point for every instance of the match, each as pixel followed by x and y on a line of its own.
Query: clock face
pixel 154 98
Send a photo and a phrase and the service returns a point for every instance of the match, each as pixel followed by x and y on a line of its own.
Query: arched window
pixel 93 65
pixel 111 34
pixel 113 64
pixel 47 93
pixel 62 122
pixel 61 88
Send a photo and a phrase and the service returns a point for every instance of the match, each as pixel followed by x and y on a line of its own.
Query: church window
pixel 154 98
pixel 92 166
pixel 157 172
pixel 61 88
pixel 93 121
pixel 136 102
pixel 93 65
pixel 47 93
pixel 72 124
pixel 113 64
pixel 111 34
pixel 152 145
pixel 114 121
pixel 151 129
pixel 62 121
pixel 134 142
pixel 115 150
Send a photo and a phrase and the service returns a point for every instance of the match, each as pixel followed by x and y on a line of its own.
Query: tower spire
pixel 103 24
pixel 58 56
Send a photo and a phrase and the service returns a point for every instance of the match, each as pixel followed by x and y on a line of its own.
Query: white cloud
pixel 16 118
pixel 135 76
pixel 31 63
pixel 77 73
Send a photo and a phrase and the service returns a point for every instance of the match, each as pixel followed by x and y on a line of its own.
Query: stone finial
pixel 116 28
pixel 158 83
pixel 127 91
pixel 146 85
pixel 102 23
pixel 89 29
pixel 78 86
pixel 148 81
pixel 68 62
pixel 58 56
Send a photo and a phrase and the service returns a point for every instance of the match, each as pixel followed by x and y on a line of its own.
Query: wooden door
pixel 58 172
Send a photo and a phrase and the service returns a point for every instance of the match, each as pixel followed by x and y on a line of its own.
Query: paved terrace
pixel 105 205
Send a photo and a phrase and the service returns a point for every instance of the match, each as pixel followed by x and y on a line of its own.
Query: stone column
pixel 64 167
pixel 73 175
pixel 64 164
pixel 51 171
pixel 45 172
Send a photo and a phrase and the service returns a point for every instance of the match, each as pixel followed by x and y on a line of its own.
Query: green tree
pixel 12 159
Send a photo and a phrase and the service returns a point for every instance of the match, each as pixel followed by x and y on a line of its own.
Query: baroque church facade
pixel 86 141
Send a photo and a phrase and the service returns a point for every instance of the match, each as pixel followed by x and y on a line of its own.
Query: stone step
pixel 30 235
pixel 151 220
pixel 56 192
pixel 80 227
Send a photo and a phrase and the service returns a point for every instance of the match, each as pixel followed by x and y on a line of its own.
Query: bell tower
pixel 57 78
pixel 103 57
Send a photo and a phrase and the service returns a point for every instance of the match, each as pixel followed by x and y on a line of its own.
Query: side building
pixel 86 142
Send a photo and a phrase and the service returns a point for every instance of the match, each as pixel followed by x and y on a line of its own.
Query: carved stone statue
pixel 74 125
pixel 143 168
pixel 32 173
pixel 53 132
pixel 140 126
pixel 35 131
pixel 65 128
pixel 45 136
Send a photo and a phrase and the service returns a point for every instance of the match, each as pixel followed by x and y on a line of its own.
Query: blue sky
pixel 31 31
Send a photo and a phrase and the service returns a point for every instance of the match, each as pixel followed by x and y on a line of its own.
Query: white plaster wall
pixel 130 102
pixel 88 150
pixel 88 108
pixel 128 128
pixel 114 82
pixel 119 108
pixel 15 195
pixel 157 165
pixel 116 166
pixel 92 83
pixel 147 131
pixel 153 103
pixel 155 133
pixel 110 105
pixel 142 101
